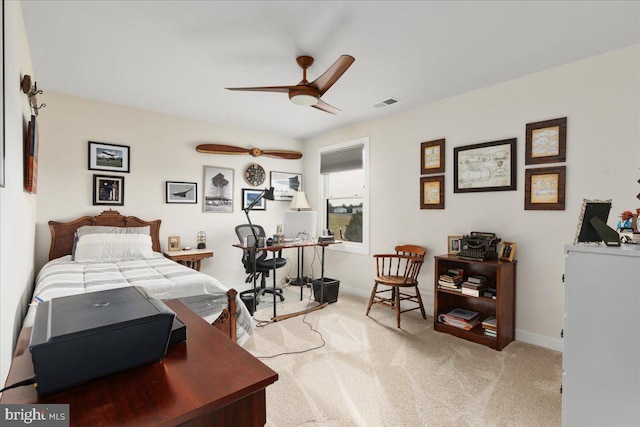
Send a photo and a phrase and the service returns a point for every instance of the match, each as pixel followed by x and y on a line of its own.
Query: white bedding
pixel 163 278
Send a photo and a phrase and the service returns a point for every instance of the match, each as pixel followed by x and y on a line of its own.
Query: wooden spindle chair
pixel 398 272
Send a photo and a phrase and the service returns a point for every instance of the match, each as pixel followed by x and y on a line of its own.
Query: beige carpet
pixel 369 373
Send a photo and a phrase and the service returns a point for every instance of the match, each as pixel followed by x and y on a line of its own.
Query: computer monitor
pixel 593 224
pixel 300 224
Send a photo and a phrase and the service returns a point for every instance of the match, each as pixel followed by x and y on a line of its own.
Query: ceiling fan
pixel 309 94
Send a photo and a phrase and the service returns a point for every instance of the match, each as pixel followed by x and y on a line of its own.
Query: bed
pixel 108 251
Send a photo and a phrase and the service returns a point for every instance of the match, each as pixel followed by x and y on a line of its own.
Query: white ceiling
pixel 178 56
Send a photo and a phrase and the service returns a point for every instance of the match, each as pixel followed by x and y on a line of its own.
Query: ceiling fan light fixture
pixel 303 96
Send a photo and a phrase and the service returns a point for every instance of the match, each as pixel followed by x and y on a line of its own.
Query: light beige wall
pixel 600 97
pixel 162 147
pixel 17 208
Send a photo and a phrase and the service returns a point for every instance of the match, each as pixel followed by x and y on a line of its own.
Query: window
pixel 345 194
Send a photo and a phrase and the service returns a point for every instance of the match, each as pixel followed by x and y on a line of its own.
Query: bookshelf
pixel 502 274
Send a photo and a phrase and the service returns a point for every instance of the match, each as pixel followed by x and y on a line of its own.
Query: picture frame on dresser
pixel 454 243
pixel 507 251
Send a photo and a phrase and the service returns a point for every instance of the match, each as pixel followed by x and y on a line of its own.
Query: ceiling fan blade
pixel 282 154
pixel 284 89
pixel 321 105
pixel 326 80
pixel 221 149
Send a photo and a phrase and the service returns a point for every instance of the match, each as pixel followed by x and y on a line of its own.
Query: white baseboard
pixel 524 336
pixel 541 340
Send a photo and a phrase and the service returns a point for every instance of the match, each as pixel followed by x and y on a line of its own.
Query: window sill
pixel 354 248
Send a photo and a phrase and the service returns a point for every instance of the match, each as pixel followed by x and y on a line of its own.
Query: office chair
pixel 398 272
pixel 264 263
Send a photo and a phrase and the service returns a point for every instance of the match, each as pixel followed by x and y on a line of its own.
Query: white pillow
pixel 113 247
pixel 101 229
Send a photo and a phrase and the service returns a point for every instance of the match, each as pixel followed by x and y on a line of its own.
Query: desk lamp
pixel 267 194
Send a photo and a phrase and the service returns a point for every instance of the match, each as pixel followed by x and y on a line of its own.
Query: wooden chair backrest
pixel 406 262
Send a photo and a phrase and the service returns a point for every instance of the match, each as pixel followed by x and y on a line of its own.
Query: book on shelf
pixel 489 322
pixel 467 325
pixel 489 293
pixel 471 292
pixel 463 314
pixel 490 333
pixel 476 286
pixel 448 285
pixel 477 279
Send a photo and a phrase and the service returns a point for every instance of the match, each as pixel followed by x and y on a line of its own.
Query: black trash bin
pixel 248 299
pixel 328 287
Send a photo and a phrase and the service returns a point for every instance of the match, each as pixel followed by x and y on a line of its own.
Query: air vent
pixel 386 102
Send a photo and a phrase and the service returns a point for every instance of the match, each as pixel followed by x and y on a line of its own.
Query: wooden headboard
pixel 62 233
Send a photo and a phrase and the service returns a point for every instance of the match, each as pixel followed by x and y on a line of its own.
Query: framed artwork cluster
pixel 432 163
pixel 108 189
pixel 546 142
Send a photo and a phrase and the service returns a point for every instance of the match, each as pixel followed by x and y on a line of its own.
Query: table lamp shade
pixel 299 201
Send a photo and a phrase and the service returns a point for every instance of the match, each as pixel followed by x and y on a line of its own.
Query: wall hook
pixel 31 91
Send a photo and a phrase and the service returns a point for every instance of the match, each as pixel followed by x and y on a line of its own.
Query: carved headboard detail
pixel 62 233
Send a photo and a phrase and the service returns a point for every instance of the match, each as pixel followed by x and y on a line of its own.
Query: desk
pixel 191 258
pixel 288 245
pixel 207 380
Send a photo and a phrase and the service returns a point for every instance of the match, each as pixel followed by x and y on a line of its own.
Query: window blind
pixel 342 160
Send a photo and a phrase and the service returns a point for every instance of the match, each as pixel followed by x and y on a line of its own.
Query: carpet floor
pixel 363 371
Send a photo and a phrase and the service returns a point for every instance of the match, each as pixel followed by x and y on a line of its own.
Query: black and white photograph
pixel 108 157
pixel 285 185
pixel 108 190
pixel 218 189
pixel 182 192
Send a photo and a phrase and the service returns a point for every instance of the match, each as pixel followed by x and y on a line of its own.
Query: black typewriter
pixel 479 246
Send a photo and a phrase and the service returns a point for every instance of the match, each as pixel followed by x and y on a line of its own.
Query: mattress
pixel 163 278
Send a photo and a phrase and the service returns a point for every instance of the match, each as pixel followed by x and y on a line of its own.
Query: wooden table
pixel 191 258
pixel 206 381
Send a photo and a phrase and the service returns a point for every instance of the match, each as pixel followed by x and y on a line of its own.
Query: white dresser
pixel 601 359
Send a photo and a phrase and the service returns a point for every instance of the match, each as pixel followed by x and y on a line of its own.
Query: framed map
pixel 490 166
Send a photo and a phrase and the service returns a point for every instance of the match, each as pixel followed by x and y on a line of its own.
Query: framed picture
pixel 2 173
pixel 181 192
pixel 31 157
pixel 108 157
pixel 249 195
pixel 218 189
pixel 432 192
pixel 432 157
pixel 108 190
pixel 174 243
pixel 544 188
pixel 489 166
pixel 285 185
pixel 453 244
pixel 591 210
pixel 507 251
pixel 546 142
